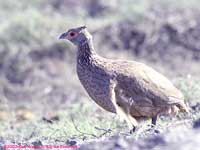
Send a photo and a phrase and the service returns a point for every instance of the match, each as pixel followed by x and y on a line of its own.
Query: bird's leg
pixel 153 125
pixel 133 122
pixel 153 121
pixel 122 109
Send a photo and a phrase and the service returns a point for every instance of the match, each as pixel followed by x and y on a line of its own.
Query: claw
pixel 153 129
pixel 132 130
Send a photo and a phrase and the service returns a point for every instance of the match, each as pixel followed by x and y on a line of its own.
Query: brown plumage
pixel 128 88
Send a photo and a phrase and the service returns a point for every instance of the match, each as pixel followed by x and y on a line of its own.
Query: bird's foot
pixel 153 129
pixel 153 126
pixel 132 130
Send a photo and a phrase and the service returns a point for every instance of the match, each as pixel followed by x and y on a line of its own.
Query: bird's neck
pixel 85 52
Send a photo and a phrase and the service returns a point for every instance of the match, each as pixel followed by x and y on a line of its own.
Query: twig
pixel 32 133
pixel 83 133
pixel 105 131
pixel 55 131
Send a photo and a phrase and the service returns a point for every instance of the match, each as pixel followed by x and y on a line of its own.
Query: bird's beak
pixel 63 36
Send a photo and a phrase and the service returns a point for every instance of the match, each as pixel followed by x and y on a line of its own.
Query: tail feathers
pixel 182 106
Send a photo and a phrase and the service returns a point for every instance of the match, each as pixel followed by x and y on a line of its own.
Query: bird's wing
pixel 145 82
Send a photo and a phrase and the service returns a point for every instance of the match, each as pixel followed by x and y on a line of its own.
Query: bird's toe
pixel 132 130
pixel 153 129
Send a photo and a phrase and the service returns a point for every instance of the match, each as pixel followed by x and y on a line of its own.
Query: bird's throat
pixel 85 53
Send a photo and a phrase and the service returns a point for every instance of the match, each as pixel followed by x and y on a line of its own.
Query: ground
pixel 41 99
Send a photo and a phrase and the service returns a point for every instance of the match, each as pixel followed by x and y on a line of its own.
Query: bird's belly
pixel 98 89
pixel 146 107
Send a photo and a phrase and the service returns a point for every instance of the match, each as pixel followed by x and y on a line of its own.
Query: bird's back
pixel 141 78
pixel 145 87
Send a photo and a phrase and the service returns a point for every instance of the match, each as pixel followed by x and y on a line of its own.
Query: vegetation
pixel 40 95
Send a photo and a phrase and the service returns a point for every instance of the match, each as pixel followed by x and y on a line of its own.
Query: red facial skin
pixel 71 35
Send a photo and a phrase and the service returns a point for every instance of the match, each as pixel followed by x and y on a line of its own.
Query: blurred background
pixel 37 71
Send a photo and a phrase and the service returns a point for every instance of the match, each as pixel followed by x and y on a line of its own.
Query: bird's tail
pixel 183 107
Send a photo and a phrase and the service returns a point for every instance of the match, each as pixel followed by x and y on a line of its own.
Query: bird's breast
pixel 96 83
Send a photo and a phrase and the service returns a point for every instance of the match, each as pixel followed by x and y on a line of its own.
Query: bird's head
pixel 77 35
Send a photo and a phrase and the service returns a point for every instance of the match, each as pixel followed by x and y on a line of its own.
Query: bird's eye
pixel 72 34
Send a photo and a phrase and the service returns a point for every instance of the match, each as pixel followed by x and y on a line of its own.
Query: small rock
pixel 157 131
pixel 47 120
pixel 2 147
pixel 70 142
pixel 37 143
pixel 158 140
pixel 196 124
pixel 2 142
pixel 50 118
pixel 23 114
pixel 196 107
pixel 121 143
pixel 154 141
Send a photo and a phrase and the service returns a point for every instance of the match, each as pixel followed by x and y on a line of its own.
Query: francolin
pixel 129 88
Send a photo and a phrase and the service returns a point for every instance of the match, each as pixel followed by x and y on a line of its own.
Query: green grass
pixel 79 121
pixel 190 86
pixel 84 120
